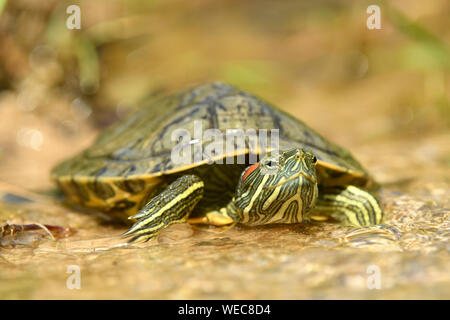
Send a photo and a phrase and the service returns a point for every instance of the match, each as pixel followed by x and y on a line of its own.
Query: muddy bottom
pixel 405 257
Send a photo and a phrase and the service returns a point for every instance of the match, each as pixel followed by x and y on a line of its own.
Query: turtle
pixel 153 167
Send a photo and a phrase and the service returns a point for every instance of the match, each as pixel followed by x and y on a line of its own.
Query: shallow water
pixel 410 253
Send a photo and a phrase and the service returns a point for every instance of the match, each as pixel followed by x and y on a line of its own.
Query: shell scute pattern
pixel 131 186
pixel 127 159
pixel 100 189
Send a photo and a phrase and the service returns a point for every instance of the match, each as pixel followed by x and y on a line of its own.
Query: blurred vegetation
pixel 127 50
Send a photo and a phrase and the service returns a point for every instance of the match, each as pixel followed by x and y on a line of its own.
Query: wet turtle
pixel 132 170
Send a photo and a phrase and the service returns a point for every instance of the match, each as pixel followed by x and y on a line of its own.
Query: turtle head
pixel 278 189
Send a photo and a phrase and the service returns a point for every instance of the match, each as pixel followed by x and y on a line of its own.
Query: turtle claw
pixel 214 218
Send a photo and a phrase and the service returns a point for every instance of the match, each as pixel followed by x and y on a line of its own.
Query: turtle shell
pixel 134 153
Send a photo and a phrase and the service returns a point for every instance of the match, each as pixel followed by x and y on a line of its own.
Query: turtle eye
pixel 314 159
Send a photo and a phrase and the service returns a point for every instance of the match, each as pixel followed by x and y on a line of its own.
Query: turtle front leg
pixel 173 205
pixel 349 205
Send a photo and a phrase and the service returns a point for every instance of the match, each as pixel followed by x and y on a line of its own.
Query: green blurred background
pixel 315 59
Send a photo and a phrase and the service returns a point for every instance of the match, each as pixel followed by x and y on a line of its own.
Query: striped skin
pixel 280 189
pixel 349 205
pixel 171 206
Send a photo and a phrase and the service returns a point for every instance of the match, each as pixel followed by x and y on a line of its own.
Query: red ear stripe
pixel 249 170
